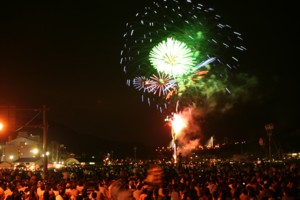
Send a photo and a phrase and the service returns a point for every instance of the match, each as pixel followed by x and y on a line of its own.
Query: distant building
pixel 23 146
pixel 26 150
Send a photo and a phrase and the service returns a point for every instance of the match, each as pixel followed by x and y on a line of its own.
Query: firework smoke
pixel 187 137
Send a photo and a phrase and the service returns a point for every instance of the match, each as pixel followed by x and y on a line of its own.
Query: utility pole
pixel 44 126
pixel 45 133
pixel 269 129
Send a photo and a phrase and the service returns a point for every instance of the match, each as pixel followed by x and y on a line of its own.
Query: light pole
pixel 269 129
pixel 1 145
pixel 43 125
pixel 45 133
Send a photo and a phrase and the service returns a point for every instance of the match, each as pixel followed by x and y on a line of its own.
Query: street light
pixel 44 126
pixel 34 151
pixel 269 129
pixel 1 145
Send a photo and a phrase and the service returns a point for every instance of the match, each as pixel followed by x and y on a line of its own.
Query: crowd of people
pixel 205 181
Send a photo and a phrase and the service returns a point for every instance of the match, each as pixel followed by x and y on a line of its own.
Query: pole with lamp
pixel 45 133
pixel 269 129
pixel 43 125
pixel 1 128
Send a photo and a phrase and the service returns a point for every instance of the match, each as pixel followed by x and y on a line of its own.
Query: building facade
pixel 23 146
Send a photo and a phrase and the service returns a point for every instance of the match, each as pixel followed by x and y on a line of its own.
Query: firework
pixel 172 57
pixel 140 83
pixel 161 84
pixel 179 50
pixel 177 123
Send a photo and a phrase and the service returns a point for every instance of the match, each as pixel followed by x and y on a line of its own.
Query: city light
pixel 35 151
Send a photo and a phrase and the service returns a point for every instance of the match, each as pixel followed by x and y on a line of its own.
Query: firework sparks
pixel 161 84
pixel 172 57
pixel 179 53
pixel 183 41
pixel 140 83
pixel 178 123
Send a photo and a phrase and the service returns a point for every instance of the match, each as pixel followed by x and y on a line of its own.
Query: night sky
pixel 66 55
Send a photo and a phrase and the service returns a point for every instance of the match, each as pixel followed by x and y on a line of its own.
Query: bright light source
pixel 1 126
pixel 35 151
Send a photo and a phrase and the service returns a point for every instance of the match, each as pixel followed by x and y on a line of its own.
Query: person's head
pixel 94 195
pixel 61 191
pixel 46 194
pixel 33 179
pixel 120 191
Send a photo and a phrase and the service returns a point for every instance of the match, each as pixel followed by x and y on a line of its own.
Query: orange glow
pixel 198 75
pixel 174 91
pixel 1 126
pixel 202 72
pixel 178 123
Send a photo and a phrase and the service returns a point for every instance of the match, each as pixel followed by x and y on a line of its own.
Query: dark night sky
pixel 66 55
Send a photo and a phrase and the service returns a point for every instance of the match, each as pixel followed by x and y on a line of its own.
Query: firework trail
pixel 185 131
pixel 179 51
pixel 180 55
